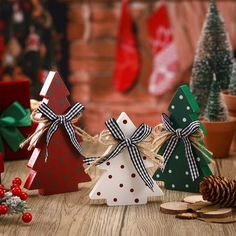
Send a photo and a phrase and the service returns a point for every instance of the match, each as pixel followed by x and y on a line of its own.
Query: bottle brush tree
pixel 232 84
pixel 214 55
pixel 216 109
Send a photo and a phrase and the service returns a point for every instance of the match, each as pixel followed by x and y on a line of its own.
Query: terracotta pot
pixel 230 101
pixel 219 136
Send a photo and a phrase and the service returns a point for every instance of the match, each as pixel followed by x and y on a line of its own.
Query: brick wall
pixel 92 31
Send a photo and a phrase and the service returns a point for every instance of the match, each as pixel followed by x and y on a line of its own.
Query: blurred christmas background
pixel 114 55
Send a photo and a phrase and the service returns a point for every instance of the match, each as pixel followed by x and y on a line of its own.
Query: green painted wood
pixel 183 110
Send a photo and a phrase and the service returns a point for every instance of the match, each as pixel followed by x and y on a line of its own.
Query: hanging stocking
pixel 127 56
pixel 165 60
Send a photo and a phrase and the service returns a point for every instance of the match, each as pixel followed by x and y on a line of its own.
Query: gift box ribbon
pixel 12 117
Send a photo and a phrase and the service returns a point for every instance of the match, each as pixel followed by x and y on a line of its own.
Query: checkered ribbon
pixel 59 120
pixel 141 133
pixel 182 134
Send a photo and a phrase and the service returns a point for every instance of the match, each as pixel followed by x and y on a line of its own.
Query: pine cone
pixel 219 190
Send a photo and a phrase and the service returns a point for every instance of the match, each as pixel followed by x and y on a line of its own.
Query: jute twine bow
pixel 94 146
pixel 129 143
pixel 106 143
pixel 162 135
pixel 46 123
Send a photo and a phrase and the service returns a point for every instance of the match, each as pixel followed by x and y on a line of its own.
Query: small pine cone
pixel 219 190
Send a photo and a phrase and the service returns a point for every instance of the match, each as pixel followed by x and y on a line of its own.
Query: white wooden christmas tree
pixel 121 184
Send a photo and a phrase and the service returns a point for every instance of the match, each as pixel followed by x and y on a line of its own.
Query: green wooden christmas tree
pixel 177 173
pixel 216 108
pixel 214 55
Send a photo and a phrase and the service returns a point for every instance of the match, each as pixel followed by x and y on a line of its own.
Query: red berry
pixel 2 193
pixel 3 209
pixel 1 186
pixel 15 186
pixel 27 217
pixel 16 191
pixel 23 196
pixel 17 181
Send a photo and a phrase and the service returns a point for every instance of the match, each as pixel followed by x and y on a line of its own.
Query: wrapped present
pixel 15 123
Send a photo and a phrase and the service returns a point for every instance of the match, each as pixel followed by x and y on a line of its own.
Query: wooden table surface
pixel 73 213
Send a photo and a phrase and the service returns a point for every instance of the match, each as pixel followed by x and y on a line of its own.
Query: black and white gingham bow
pixel 59 120
pixel 142 132
pixel 182 134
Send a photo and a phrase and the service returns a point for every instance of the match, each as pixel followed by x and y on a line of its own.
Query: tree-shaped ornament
pixel 185 163
pixel 214 55
pixel 121 183
pixel 63 169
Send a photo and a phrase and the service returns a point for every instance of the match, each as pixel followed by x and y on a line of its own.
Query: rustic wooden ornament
pixel 174 207
pixel 63 169
pixel 121 184
pixel 183 111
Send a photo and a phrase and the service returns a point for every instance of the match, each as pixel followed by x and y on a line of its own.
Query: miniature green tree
pixel 176 175
pixel 214 55
pixel 232 84
pixel 215 109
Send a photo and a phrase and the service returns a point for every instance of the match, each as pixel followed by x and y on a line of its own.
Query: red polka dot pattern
pixel 108 163
pixel 114 199
pixel 125 122
pixel 121 185
pixel 122 166
pixel 131 190
pixel 136 200
pixel 109 176
pixel 133 175
pixel 98 193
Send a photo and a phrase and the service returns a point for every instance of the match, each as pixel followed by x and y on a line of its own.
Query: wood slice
pixel 225 220
pixel 220 213
pixel 187 216
pixel 194 199
pixel 174 207
pixel 199 206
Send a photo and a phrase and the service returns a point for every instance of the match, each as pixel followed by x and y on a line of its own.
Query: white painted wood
pixel 120 184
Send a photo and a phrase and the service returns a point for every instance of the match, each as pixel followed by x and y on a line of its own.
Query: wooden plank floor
pixel 73 213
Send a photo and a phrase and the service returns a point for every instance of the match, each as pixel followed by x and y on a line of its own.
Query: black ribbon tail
pixel 168 151
pixel 191 160
pixel 71 133
pixel 140 167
